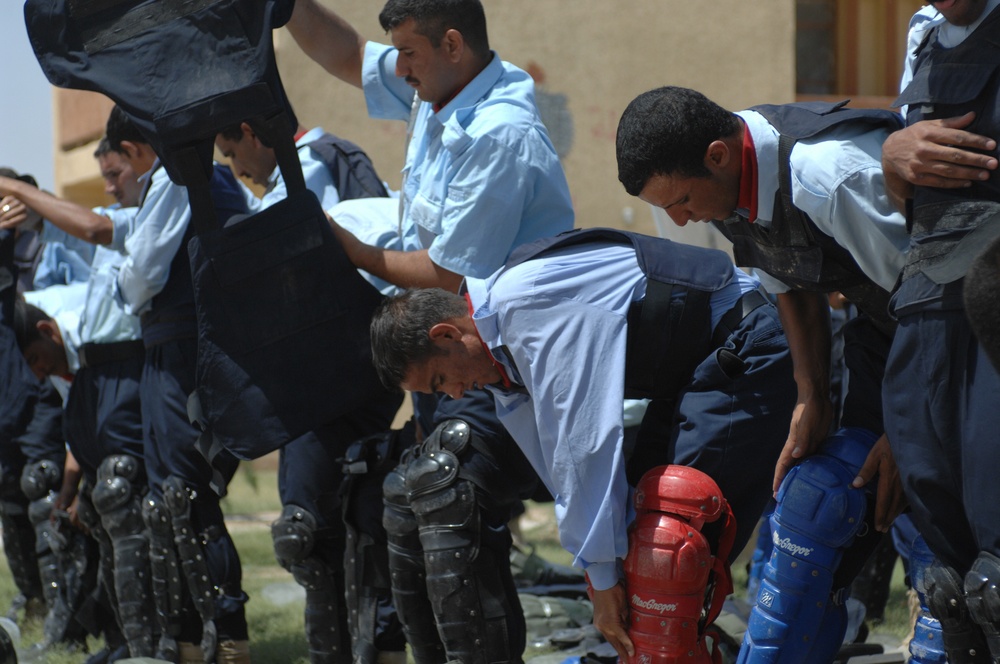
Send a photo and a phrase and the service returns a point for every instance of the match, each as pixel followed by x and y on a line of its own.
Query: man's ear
pixel 444 332
pixel 247 130
pixel 49 330
pixel 453 44
pixel 717 155
pixel 131 150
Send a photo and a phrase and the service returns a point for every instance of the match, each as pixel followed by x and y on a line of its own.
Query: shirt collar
pixel 748 178
pixel 475 90
pixel 765 146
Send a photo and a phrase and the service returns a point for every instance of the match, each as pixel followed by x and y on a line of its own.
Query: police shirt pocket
pixel 426 213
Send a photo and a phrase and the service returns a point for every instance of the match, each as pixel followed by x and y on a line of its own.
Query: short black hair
pixel 121 128
pixel 23 177
pixel 103 147
pixel 400 330
pixel 666 131
pixel 436 17
pixel 232 132
pixel 26 319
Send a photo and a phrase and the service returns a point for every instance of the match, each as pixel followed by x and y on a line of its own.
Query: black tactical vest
pixel 352 171
pixel 282 315
pixel 670 330
pixel 172 314
pixel 792 249
pixel 948 83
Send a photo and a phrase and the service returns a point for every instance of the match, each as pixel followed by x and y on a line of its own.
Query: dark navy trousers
pixel 942 400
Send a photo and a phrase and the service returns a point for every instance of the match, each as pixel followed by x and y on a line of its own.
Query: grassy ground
pixel 275 622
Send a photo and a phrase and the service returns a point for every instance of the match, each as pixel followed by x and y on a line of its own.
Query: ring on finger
pixel 6 208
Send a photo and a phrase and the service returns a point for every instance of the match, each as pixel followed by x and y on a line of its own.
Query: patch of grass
pixel 276 630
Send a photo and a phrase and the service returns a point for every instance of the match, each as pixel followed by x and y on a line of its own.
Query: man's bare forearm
pixel 75 219
pixel 328 39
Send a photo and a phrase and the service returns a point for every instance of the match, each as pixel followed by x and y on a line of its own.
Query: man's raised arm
pixel 328 39
pixel 75 219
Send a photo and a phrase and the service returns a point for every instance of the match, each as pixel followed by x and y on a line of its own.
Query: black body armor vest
pixel 352 171
pixel 949 82
pixel 792 249
pixel 670 329
pixel 282 315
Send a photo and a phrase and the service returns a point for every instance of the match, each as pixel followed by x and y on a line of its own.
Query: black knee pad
pixel 983 597
pixel 39 478
pixel 964 641
pixel 293 535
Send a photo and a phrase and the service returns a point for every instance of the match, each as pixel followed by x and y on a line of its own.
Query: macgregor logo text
pixel 652 605
pixel 787 546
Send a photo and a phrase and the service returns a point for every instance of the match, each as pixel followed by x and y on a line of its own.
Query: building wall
pixel 589 59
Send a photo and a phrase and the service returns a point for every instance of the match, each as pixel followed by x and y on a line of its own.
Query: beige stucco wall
pixel 594 54
pixel 590 58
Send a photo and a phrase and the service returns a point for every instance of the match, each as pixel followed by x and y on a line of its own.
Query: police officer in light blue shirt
pixel 250 158
pixel 481 177
pixel 558 335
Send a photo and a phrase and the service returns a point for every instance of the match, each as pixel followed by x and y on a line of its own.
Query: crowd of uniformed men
pixel 528 347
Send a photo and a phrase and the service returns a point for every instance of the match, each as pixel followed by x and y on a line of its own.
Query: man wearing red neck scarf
pixel 799 190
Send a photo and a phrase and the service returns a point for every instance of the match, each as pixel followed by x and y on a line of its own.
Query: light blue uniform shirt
pixel 837 180
pixel 481 175
pixel 563 318
pixel 104 319
pixel 63 303
pixel 315 172
pixel 65 258
pixel 374 221
pixel 159 229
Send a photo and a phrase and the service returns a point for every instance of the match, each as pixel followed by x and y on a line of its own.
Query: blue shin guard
pixel 817 517
pixel 927 644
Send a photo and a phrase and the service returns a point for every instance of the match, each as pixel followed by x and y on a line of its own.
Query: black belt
pixel 93 354
pixel 748 303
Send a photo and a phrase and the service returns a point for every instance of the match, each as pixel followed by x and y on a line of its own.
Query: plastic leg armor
pixel 406 570
pixel 294 537
pixel 926 646
pixel 106 561
pixel 964 641
pixel 472 601
pixel 39 482
pixel 167 586
pixel 366 566
pixel 758 559
pixel 192 555
pixel 983 597
pixel 795 619
pixel 18 543
pixel 671 566
pixel 117 497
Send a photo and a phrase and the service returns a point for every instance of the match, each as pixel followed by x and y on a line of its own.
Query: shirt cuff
pixel 603 575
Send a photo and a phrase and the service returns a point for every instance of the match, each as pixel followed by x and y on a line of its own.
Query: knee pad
pixel 964 641
pixel 294 535
pixel 983 598
pixel 927 645
pixel 117 495
pixel 817 517
pixel 758 559
pixel 39 478
pixel 470 586
pixel 188 542
pixel 406 567
pixel 167 586
pixel 670 564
